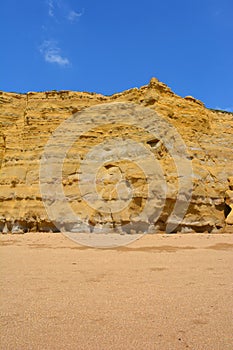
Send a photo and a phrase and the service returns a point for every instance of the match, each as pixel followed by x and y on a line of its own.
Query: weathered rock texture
pixel 229 202
pixel 28 120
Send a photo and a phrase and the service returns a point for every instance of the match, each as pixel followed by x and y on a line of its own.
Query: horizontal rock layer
pixel 28 121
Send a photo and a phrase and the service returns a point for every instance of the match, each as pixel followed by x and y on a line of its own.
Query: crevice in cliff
pixel 227 210
pixel 2 148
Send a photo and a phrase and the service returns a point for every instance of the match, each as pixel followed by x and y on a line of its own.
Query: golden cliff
pixel 28 120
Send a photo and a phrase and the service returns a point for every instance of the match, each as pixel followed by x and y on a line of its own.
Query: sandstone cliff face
pixel 28 120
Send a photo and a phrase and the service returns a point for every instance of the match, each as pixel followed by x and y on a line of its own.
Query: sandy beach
pixel 160 292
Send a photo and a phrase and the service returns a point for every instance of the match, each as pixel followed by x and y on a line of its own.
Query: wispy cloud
pixel 227 109
pixel 51 8
pixel 60 14
pixel 52 53
pixel 73 15
pixel 62 9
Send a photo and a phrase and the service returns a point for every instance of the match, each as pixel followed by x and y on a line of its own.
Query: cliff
pixel 28 121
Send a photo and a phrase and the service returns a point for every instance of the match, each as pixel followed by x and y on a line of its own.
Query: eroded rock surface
pixel 28 120
pixel 229 202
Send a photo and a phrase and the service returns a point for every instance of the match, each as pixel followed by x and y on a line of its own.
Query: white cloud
pixel 52 53
pixel 51 8
pixel 73 15
pixel 61 8
pixel 227 109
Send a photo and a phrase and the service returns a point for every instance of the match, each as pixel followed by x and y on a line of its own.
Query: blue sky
pixel 109 46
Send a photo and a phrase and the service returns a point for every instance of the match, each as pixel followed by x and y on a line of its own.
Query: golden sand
pixel 160 292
